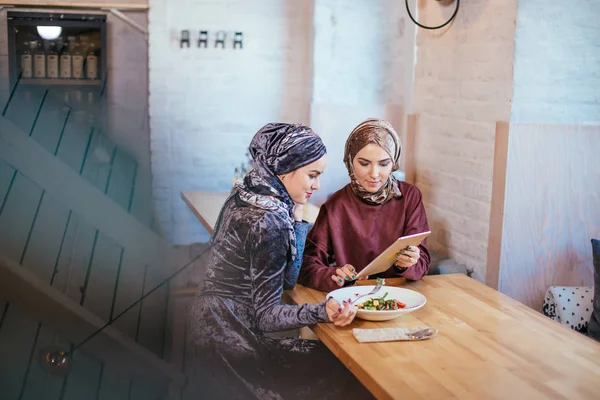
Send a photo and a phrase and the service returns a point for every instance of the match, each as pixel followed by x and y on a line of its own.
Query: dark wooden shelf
pixel 65 82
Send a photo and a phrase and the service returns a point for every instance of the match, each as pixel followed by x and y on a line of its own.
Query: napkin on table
pixel 391 334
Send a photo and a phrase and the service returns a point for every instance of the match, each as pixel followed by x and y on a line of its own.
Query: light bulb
pixel 49 32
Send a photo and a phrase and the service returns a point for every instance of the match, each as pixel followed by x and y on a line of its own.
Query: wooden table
pixel 488 347
pixel 207 205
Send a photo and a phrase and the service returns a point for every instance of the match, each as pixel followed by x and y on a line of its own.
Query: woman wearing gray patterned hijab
pixel 257 249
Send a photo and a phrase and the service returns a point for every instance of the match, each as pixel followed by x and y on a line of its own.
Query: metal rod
pixel 117 13
pixel 110 322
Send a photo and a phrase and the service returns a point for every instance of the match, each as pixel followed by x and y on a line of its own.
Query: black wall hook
pixel 185 38
pixel 237 40
pixel 203 39
pixel 220 39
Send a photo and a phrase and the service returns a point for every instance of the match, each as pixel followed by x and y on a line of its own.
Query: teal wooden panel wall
pixel 70 254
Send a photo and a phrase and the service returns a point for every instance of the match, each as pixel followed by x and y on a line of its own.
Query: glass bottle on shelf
pixel 92 63
pixel 39 62
pixel 65 60
pixel 52 61
pixel 77 58
pixel 27 61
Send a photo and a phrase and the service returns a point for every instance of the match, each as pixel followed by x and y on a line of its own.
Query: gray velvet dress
pixel 256 253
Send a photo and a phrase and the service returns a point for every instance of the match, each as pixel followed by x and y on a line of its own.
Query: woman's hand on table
pixel 408 257
pixel 338 314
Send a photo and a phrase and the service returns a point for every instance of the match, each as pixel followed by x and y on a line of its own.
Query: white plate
pixel 412 299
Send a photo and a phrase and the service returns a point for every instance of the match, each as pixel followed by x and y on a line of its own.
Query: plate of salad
pixel 388 303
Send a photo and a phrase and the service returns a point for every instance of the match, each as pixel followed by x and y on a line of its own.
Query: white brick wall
pixel 206 104
pixel 362 68
pixel 360 55
pixel 557 62
pixel 197 95
pixel 463 85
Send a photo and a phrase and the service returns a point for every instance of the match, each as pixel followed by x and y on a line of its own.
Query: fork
pixel 422 334
pixel 380 283
pixel 375 290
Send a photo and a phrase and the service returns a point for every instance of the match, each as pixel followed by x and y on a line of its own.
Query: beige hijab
pixel 381 133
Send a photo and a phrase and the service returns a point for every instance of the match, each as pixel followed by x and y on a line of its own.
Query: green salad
pixel 381 304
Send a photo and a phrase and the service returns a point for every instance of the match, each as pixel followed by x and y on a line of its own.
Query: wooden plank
pixel 102 277
pixel 79 258
pixel 115 385
pixel 74 144
pixel 46 238
pixel 68 187
pixel 142 389
pixel 51 121
pixel 34 297
pixel 40 384
pixel 410 149
pixel 120 186
pixel 7 174
pixel 17 216
pixel 84 377
pixel 497 206
pixel 174 393
pixel 475 355
pixel 17 338
pixel 24 107
pixel 154 311
pixel 550 209
pixel 176 328
pixel 98 163
pixel 129 290
pixel 177 321
pixel 3 310
pixel 69 243
pixel 189 391
pixel 142 204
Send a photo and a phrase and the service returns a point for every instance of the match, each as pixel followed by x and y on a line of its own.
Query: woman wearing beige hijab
pixel 363 218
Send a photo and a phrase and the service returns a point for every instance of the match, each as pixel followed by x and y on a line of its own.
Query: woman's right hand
pixel 340 315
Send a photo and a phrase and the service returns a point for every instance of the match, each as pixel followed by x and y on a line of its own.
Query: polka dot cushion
pixel 594 326
pixel 569 305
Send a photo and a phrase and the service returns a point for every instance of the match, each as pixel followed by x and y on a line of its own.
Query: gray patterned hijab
pixel 381 133
pixel 277 149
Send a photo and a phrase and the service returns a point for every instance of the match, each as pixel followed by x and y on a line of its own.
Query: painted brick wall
pixel 463 85
pixel 360 55
pixel 363 53
pixel 557 62
pixel 206 104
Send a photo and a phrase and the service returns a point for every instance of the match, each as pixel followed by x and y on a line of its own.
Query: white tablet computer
pixel 386 259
